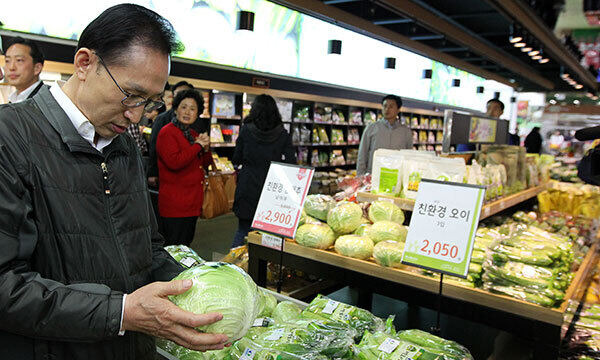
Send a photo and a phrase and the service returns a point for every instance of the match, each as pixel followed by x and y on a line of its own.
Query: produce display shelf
pixel 487 210
pixel 537 323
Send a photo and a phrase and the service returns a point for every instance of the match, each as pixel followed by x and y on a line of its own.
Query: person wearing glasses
pixel 83 271
pixel 183 157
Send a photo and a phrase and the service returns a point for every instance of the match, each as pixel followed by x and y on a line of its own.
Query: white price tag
pixel 388 345
pixel 276 335
pixel 271 241
pixel 282 198
pixel 330 307
pixel 248 354
pixel 443 226
pixel 188 261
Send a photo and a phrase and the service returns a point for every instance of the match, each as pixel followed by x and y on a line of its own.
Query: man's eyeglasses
pixel 131 100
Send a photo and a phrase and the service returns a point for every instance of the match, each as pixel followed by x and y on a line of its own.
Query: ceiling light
pixel 519 44
pixel 534 53
pixel 515 35
pixel 576 102
pixel 578 86
pixel 544 60
pixel 526 49
pixel 334 47
pixel 589 94
pixel 595 97
pixel 245 20
pixel 390 63
pixel 536 57
pixel 564 76
pixel 552 101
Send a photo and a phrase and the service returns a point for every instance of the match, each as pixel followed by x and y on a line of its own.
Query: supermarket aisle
pixel 214 235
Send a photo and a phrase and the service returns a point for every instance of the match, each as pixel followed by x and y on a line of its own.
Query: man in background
pixel 24 63
pixel 387 133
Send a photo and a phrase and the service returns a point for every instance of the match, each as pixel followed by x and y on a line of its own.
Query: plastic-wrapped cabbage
pixel 222 288
pixel 410 344
pixel 363 230
pixel 181 352
pixel 315 236
pixel 387 230
pixel 384 210
pixel 318 206
pixel 307 219
pixel 324 309
pixel 359 247
pixel 286 311
pixel 345 218
pixel 184 255
pixel 266 303
pixel 388 253
pixel 246 348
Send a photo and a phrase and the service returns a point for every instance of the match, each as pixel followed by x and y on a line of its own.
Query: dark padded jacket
pixel 76 232
pixel 254 150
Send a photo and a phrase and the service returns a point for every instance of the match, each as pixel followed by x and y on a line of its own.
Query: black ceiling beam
pixel 333 2
pixel 453 49
pixel 392 21
pixel 473 15
pixel 426 37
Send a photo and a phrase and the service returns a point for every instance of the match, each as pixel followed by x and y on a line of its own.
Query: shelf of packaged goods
pixel 413 278
pixel 488 209
pixel 353 143
pixel 219 117
pixel 219 145
pixel 339 144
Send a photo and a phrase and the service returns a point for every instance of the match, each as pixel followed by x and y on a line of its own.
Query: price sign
pixel 442 227
pixel 282 199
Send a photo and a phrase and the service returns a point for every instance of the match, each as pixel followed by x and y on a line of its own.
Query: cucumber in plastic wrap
pixel 414 344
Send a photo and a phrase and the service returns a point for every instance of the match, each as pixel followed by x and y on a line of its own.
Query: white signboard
pixel 443 226
pixel 282 199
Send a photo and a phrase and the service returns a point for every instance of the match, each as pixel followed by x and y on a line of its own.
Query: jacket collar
pixel 69 135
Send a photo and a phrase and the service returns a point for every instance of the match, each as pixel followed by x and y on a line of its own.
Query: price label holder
pixel 280 205
pixel 442 229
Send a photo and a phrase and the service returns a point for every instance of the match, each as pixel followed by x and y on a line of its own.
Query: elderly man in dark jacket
pixel 81 255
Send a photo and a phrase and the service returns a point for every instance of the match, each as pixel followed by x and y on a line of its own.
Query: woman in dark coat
pixel 262 139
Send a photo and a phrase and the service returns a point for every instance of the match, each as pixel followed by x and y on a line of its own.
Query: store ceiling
pixel 468 34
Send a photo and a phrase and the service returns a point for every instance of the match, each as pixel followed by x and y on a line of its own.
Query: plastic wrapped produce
pixel 359 247
pixel 345 218
pixel 387 230
pixel 388 253
pixel 286 311
pixel 385 210
pixel 266 303
pixel 381 346
pixel 222 288
pixel 324 309
pixel 184 255
pixel 318 206
pixel 318 236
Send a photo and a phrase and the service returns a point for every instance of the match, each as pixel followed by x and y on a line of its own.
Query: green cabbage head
pixel 387 230
pixel 384 210
pixel 319 236
pixel 222 288
pixel 286 311
pixel 318 206
pixel 267 303
pixel 345 218
pixel 363 230
pixel 388 253
pixel 359 247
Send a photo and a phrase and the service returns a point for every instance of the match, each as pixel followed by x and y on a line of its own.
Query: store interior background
pixel 290 49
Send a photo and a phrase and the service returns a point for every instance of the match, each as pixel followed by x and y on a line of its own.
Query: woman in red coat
pixel 183 156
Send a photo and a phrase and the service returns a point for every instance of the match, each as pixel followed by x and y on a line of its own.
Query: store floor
pixel 214 236
pixel 213 239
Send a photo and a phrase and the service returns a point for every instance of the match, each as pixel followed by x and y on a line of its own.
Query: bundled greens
pixel 184 255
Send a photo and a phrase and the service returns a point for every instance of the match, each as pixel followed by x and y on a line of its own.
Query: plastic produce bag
pixel 324 309
pixel 266 303
pixel 318 206
pixel 184 255
pixel 381 346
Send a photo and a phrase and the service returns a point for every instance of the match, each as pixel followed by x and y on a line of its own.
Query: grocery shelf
pixel 220 117
pixel 487 210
